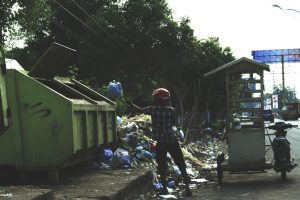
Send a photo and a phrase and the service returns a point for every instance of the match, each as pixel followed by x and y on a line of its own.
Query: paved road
pixel 259 185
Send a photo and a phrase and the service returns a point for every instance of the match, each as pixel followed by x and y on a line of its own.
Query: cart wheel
pixel 220 177
pixel 283 175
pixel 220 159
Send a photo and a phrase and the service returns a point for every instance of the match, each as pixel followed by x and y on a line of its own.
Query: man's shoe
pixel 188 192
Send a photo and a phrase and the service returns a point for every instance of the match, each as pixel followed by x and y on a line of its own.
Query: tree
pixel 5 19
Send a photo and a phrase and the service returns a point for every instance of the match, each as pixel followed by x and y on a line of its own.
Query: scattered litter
pixel 7 195
pixel 176 169
pixel 168 196
pixel 119 121
pixel 137 149
pixel 171 184
pixel 193 186
pixel 246 194
pixel 199 180
pixel 181 134
pixel 108 154
pixel 132 127
pixel 190 172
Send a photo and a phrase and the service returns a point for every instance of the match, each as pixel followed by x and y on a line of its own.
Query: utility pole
pixel 283 81
pixel 282 67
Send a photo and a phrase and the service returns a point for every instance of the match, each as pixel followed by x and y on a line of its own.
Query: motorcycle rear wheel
pixel 283 175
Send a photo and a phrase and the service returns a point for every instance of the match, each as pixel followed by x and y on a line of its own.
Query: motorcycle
pixel 281 148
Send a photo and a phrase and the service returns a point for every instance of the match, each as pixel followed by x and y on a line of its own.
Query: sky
pixel 247 25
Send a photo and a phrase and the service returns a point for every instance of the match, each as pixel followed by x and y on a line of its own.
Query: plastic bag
pixel 114 90
pixel 121 159
pixel 107 153
pixel 132 127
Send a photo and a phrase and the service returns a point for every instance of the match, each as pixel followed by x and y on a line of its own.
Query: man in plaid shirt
pixel 163 118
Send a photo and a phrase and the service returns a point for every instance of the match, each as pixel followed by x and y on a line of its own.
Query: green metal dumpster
pixel 49 122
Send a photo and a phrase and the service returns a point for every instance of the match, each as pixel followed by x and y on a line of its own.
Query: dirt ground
pixel 76 183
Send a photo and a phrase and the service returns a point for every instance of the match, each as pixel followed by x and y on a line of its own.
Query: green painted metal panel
pixel 111 124
pixel 3 96
pixel 46 123
pixel 12 151
pixel 8 155
pixel 101 128
pixel 3 103
pixel 91 129
pixel 5 139
pixel 79 130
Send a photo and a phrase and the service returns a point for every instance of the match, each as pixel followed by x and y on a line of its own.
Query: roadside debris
pixel 137 149
pixel 7 195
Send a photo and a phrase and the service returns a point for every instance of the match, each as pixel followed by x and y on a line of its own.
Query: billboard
pixel 275 101
pixel 276 55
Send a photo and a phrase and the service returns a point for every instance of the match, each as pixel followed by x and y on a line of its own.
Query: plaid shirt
pixel 163 118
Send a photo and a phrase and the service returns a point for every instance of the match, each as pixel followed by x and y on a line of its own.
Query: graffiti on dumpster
pixel 56 129
pixel 44 112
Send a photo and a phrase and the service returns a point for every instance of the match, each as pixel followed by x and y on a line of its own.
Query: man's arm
pixel 137 107
pixel 173 118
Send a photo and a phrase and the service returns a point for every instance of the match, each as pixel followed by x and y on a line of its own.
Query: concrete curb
pixel 123 184
pixel 140 184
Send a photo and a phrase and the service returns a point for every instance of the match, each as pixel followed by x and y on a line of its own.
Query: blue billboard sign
pixel 276 55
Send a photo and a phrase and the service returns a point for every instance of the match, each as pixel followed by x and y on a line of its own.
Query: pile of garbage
pixel 137 149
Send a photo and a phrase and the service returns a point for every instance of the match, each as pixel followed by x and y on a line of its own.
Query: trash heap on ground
pixel 137 149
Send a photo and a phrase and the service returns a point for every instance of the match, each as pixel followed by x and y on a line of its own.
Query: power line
pixel 107 33
pixel 129 50
pixel 73 15
pixel 91 18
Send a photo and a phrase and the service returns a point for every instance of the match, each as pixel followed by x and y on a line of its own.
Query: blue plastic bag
pixel 176 169
pixel 108 154
pixel 147 155
pixel 158 186
pixel 114 90
pixel 139 149
pixel 126 163
pixel 171 184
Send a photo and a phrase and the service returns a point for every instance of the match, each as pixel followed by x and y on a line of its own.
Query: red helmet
pixel 161 94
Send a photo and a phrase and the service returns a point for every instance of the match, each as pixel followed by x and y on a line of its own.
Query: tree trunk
pixel 194 120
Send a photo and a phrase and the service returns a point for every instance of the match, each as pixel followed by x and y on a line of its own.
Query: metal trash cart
pixel 245 124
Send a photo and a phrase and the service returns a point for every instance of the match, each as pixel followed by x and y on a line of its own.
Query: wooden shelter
pixel 245 106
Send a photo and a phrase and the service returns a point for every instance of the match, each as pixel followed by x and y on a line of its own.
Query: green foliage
pixel 218 125
pixel 6 16
pixel 103 90
pixel 73 72
pixel 122 106
pixel 34 17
